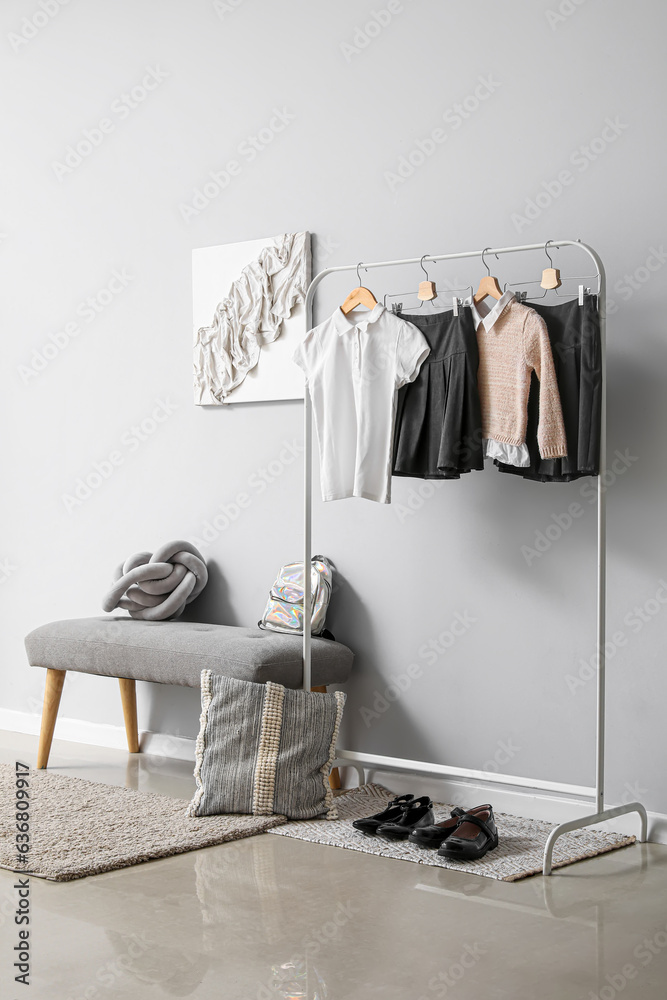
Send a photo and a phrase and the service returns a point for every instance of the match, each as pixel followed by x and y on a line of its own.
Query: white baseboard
pixel 535 805
pixel 164 745
pixel 100 735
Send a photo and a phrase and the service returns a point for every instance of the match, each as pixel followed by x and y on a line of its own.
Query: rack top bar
pixel 457 256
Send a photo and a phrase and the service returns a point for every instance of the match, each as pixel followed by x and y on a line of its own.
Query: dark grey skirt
pixel 438 426
pixel 574 333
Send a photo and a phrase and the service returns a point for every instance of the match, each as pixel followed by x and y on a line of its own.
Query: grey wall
pixel 360 90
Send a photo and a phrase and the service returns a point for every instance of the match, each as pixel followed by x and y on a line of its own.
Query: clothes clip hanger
pixel 523 296
pixel 359 296
pixel 551 274
pixel 426 288
pixel 424 294
pixel 550 279
pixel 489 283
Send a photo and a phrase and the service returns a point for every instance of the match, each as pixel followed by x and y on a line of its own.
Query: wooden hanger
pixel 426 288
pixel 550 275
pixel 489 284
pixel 359 296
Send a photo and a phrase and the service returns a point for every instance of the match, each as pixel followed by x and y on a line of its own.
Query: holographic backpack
pixel 284 608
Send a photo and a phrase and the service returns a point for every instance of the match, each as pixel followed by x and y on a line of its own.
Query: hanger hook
pixel 421 264
pixel 488 269
pixel 547 252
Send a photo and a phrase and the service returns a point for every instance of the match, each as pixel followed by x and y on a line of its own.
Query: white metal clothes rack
pixel 361 761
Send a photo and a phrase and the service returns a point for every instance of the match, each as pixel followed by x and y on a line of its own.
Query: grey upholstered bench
pixel 171 652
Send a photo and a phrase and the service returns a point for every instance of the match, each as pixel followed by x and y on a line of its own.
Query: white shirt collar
pixel 344 325
pixel 481 313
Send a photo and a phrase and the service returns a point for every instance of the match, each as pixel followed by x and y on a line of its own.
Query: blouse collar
pixel 344 325
pixel 481 313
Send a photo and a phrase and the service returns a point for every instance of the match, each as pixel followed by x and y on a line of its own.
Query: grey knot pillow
pixel 265 749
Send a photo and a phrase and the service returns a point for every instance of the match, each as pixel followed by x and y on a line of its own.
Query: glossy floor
pixel 269 918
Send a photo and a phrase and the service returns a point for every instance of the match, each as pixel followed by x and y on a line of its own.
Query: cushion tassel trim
pixel 332 812
pixel 200 745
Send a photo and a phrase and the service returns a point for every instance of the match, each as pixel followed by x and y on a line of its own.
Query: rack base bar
pixel 594 820
pixel 377 762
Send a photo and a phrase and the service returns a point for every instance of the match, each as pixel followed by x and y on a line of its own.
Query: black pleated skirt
pixel 438 426
pixel 574 333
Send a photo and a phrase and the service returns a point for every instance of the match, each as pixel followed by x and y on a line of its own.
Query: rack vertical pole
pixel 307 507
pixel 602 557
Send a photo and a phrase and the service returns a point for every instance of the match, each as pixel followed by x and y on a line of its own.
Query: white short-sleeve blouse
pixel 354 367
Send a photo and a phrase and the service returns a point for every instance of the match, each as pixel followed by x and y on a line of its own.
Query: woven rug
pixel 518 855
pixel 80 828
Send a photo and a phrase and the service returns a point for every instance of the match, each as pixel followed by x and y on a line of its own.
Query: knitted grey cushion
pixel 263 749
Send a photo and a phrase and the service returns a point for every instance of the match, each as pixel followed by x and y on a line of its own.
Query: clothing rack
pixel 361 761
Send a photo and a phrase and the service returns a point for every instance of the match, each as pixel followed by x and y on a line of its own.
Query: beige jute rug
pixel 80 828
pixel 518 855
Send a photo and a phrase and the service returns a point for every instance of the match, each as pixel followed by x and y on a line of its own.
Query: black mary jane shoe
pixel 417 813
pixel 475 834
pixel 393 811
pixel 434 836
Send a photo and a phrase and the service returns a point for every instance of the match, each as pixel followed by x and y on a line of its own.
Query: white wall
pixel 354 102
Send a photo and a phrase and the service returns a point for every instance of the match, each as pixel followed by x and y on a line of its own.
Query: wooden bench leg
pixel 128 694
pixel 54 687
pixel 334 777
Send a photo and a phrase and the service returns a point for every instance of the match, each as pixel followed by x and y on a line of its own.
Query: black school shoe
pixel 434 836
pixel 417 813
pixel 393 812
pixel 474 836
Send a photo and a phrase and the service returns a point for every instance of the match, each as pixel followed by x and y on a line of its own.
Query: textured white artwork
pixel 249 316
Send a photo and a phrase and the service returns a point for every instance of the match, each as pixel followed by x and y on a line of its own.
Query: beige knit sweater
pixel 513 341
